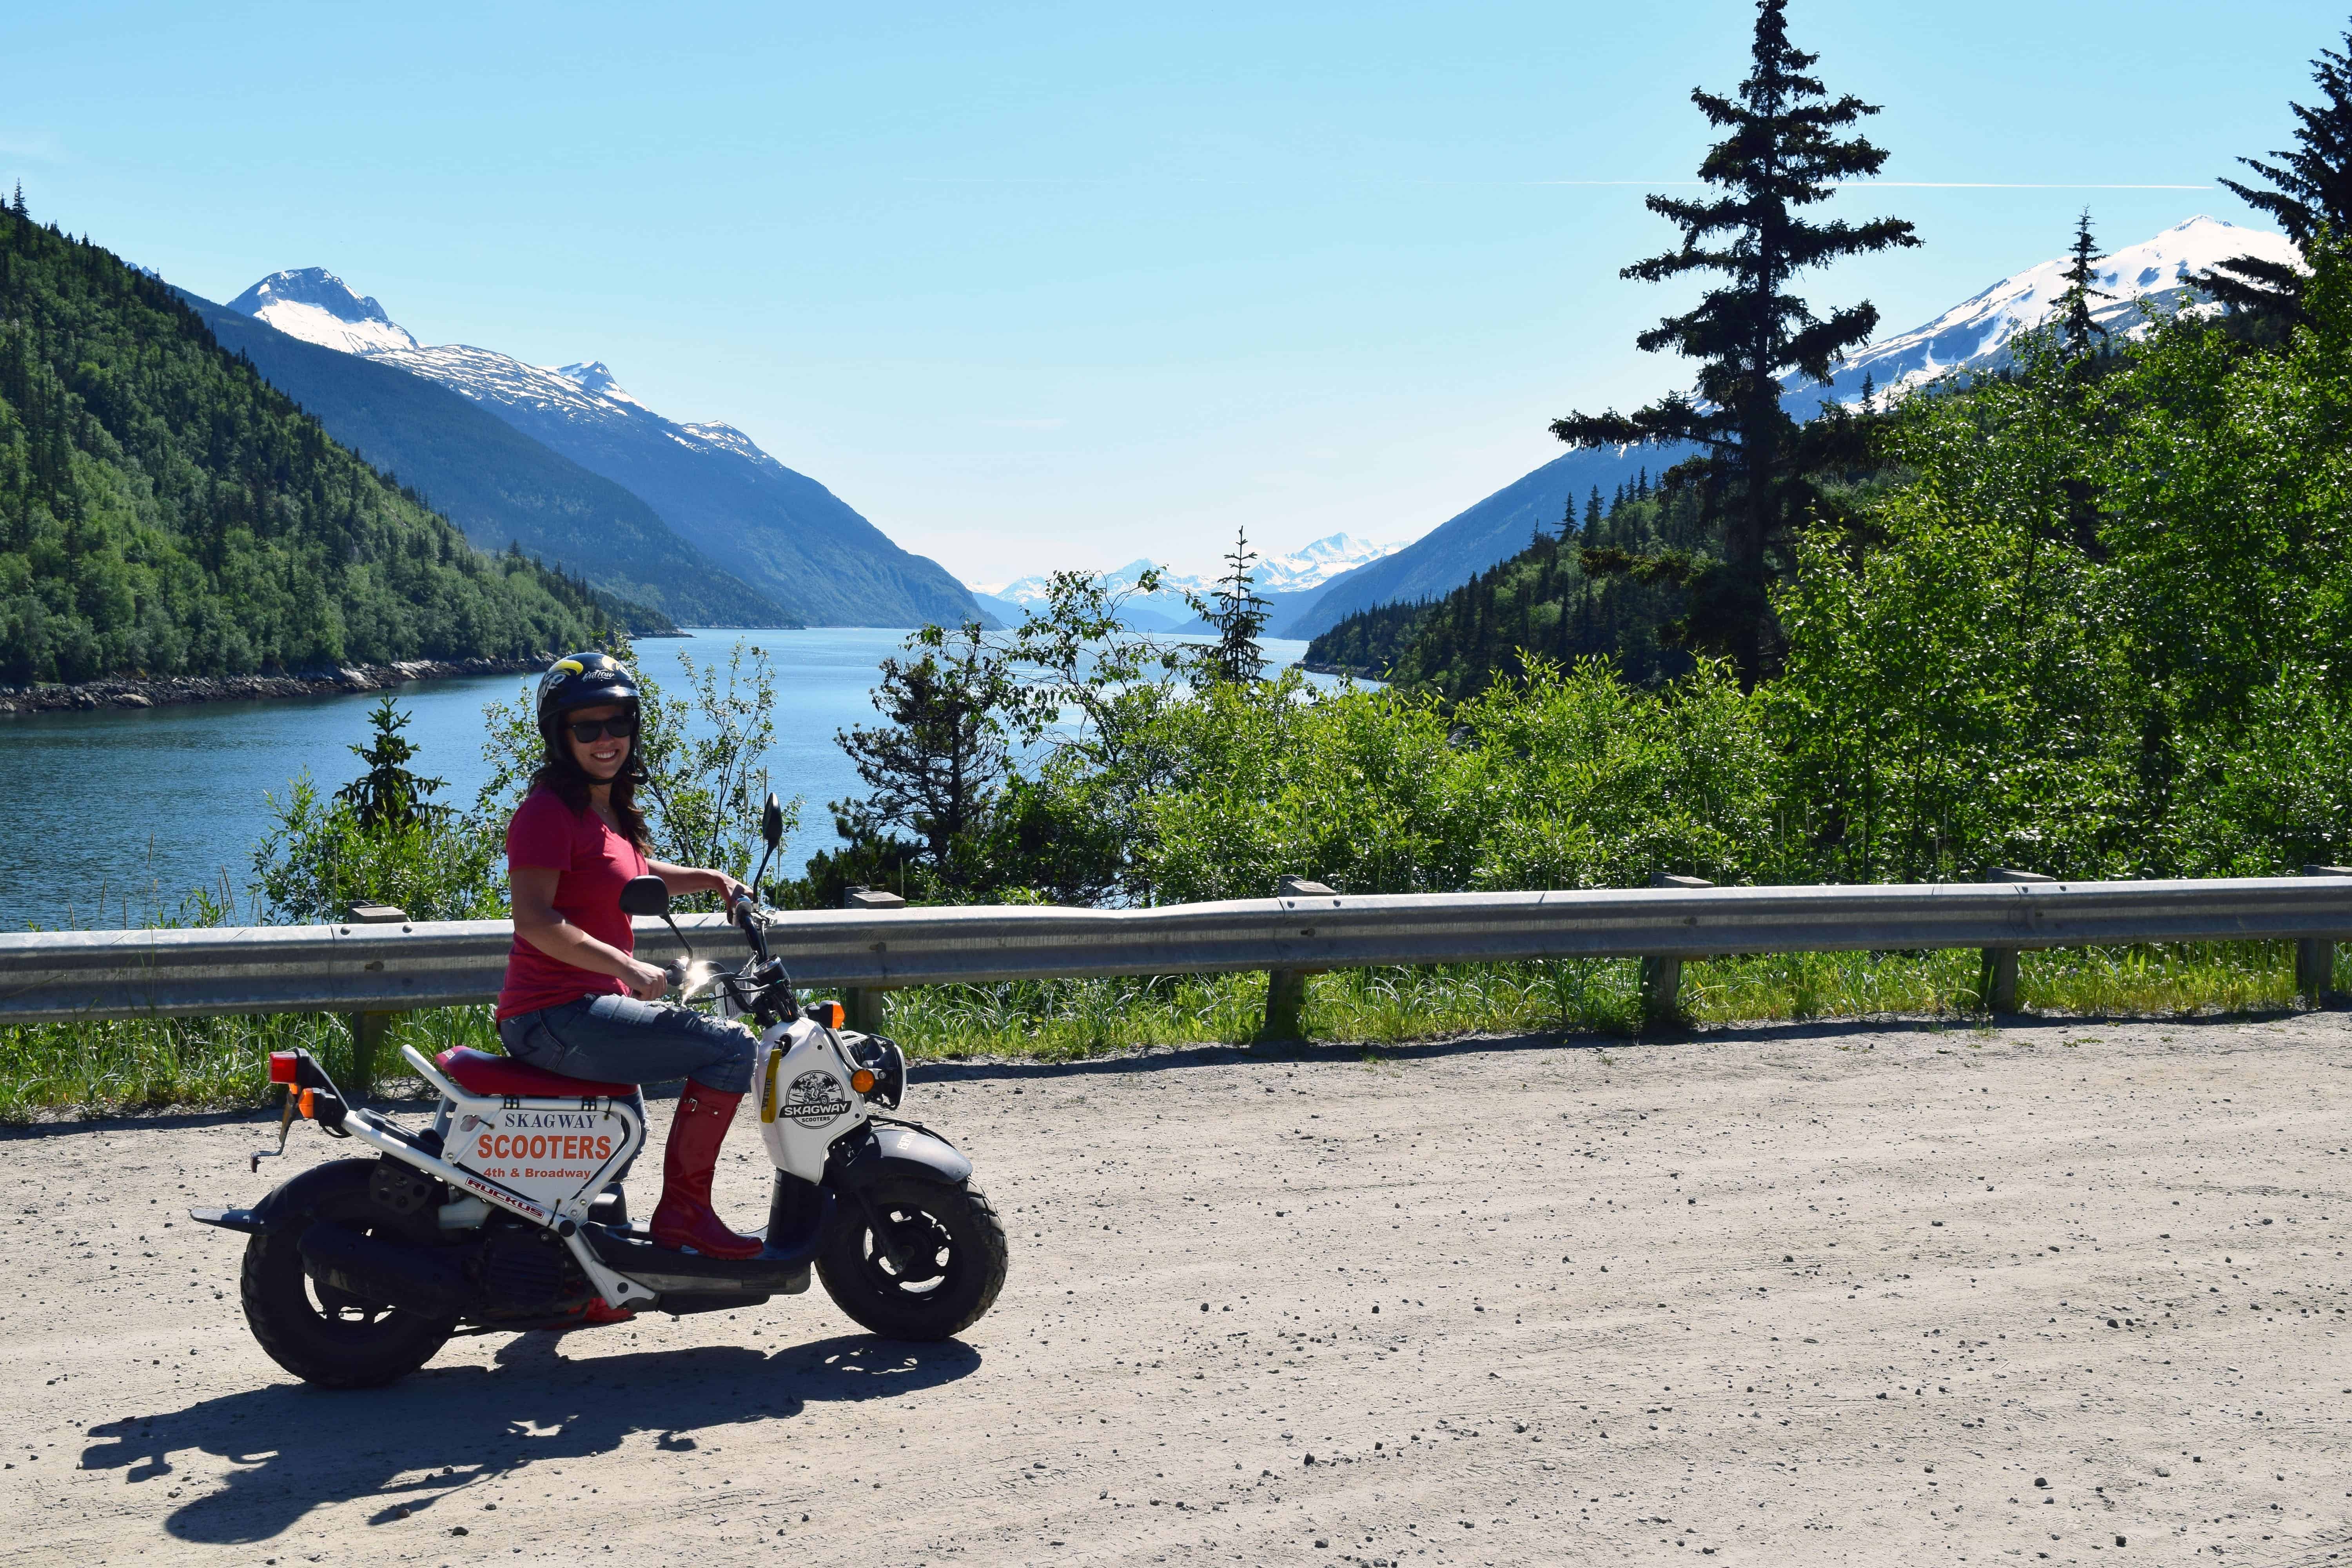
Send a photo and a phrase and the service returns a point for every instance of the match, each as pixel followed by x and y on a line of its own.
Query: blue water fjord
pixel 105 814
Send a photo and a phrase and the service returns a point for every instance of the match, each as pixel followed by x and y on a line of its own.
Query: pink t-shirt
pixel 594 862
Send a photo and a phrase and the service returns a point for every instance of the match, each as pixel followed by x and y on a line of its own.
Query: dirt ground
pixel 2059 1293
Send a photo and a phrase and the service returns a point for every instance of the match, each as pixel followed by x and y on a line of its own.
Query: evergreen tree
pixel 1239 615
pixel 1592 516
pixel 2076 328
pixel 1783 154
pixel 937 764
pixel 18 206
pixel 388 794
pixel 2309 190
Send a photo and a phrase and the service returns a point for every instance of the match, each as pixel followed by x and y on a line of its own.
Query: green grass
pixel 89 1068
pixel 141 1064
pixel 2140 981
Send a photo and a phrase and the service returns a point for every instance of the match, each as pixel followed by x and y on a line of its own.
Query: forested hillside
pixel 1541 601
pixel 163 510
pixel 1473 540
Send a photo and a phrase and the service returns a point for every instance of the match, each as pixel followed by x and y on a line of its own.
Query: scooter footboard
pixel 673 1273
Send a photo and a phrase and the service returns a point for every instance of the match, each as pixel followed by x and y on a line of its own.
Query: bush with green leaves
pixel 382 840
pixel 2102 627
pixel 1566 779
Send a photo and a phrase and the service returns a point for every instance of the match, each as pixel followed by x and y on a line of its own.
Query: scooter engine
pixel 524 1269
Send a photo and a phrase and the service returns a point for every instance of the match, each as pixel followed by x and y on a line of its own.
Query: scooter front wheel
pixel 915 1260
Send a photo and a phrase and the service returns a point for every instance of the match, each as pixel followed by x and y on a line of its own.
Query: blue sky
pixel 1037 286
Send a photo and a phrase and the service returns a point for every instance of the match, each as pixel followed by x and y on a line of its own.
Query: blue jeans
pixel 619 1039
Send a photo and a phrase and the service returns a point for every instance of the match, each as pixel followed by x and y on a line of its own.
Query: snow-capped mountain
pixel 593 376
pixel 1975 334
pixel 313 304
pixel 1309 566
pixel 1032 590
pixel 1312 566
pixel 781 531
pixel 499 484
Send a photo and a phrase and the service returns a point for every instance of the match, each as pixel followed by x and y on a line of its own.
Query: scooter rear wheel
pixel 320 1334
pixel 940 1270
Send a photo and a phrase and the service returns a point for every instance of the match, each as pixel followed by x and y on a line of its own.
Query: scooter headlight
pixel 881 1075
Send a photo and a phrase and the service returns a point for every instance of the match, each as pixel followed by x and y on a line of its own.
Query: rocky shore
pixel 1356 672
pixel 131 691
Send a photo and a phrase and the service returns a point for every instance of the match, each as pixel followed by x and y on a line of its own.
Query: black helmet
pixel 583 681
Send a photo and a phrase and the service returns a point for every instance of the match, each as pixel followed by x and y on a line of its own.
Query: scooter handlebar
pixel 743 911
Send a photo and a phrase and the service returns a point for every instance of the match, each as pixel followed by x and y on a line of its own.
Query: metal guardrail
pixel 374 968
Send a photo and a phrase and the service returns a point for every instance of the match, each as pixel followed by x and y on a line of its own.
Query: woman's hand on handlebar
pixel 685 880
pixel 646 983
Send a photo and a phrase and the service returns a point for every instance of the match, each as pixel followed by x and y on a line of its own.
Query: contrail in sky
pixel 1906 184
pixel 1883 184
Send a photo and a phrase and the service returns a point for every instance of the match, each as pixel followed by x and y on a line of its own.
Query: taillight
pixel 282 1067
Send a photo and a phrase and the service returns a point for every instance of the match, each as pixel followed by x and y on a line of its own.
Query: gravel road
pixel 1817 1294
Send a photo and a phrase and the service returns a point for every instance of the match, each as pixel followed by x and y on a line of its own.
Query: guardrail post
pixel 1997 970
pixel 2314 956
pixel 1662 978
pixel 368 1028
pixel 864 1003
pixel 1286 989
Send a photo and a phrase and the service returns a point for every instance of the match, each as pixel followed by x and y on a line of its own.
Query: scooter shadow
pixel 293 1447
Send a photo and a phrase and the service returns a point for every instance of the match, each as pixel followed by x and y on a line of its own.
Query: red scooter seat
pixel 478 1072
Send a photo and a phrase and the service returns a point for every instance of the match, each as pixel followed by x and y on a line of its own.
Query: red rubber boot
pixel 683 1217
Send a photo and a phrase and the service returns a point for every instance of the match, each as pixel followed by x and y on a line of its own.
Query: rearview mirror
pixel 645 896
pixel 650 896
pixel 772 823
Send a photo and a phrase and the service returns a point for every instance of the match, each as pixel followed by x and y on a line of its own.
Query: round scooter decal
pixel 816 1098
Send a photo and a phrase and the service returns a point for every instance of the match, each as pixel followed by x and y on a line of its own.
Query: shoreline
pixel 1353 672
pixel 137 691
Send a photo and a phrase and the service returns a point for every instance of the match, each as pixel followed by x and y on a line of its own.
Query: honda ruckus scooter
pixel 498 1218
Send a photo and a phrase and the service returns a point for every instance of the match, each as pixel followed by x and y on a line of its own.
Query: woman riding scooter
pixel 576 999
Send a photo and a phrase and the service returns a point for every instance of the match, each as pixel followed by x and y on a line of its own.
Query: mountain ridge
pixel 781 531
pixel 496 483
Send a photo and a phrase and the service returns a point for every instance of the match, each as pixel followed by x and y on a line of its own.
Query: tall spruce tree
pixel 1238 615
pixel 388 794
pixel 2077 329
pixel 2309 190
pixel 1783 155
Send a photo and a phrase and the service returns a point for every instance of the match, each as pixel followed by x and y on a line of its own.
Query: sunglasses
pixel 587 730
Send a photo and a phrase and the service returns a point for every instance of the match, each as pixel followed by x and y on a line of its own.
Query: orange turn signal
pixel 862 1080
pixel 310 1104
pixel 832 1015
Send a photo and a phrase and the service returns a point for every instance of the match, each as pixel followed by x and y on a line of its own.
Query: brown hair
pixel 569 783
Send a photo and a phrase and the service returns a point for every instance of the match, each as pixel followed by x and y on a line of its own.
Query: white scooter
pixel 498 1218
